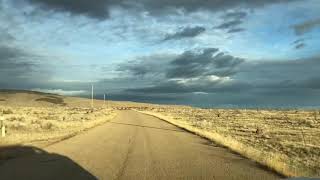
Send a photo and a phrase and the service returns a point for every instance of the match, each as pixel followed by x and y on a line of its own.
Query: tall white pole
pixel 107 101
pixel 3 127
pixel 92 96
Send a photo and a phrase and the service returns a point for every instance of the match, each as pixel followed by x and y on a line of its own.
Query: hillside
pixel 40 99
pixel 41 118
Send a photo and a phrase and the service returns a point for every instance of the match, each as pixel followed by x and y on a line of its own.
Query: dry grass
pixel 286 141
pixel 40 118
pixel 43 125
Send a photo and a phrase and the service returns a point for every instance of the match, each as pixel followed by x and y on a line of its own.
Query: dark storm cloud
pixel 135 68
pixel 310 83
pixel 236 30
pixel 229 24
pixel 232 21
pixel 270 74
pixel 96 9
pixel 9 54
pixel 100 8
pixel 15 62
pixel 298 41
pixel 140 97
pixel 187 32
pixel 235 15
pixel 154 66
pixel 6 37
pixel 206 62
pixel 306 26
pixel 156 7
pixel 190 64
pixel 204 70
pixel 268 83
pixel 300 45
pixel 15 67
pixel 204 86
pixel 193 72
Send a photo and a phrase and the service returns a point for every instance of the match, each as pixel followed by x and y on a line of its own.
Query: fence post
pixel 3 127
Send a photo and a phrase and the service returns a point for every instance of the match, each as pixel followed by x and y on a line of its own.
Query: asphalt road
pixel 138 146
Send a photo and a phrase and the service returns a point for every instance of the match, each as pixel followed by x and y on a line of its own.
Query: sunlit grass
pixel 286 141
pixel 43 124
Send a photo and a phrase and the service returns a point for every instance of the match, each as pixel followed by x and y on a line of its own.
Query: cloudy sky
pixel 210 53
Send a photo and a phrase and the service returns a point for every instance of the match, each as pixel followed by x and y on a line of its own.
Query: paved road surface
pixel 138 146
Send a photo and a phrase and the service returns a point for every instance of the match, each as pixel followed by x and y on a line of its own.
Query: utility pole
pixel 106 100
pixel 3 127
pixel 92 96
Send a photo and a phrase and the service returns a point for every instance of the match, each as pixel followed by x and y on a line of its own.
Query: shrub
pixel 307 123
pixel 7 111
pixel 35 121
pixel 46 125
pixel 18 126
pixel 15 118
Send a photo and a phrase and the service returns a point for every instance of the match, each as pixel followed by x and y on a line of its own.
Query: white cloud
pixel 185 81
pixel 73 81
pixel 60 91
pixel 214 78
pixel 200 93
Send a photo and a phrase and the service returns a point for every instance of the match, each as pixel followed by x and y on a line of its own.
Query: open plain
pixel 287 141
pixel 117 141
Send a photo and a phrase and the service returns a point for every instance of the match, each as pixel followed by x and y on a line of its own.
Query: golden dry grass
pixel 27 125
pixel 40 119
pixel 286 141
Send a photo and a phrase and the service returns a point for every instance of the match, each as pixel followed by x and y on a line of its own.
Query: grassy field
pixel 39 119
pixel 287 141
pixel 30 125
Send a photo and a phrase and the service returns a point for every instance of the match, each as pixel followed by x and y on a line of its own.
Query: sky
pixel 206 53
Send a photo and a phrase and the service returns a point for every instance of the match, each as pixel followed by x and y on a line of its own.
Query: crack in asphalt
pixel 130 150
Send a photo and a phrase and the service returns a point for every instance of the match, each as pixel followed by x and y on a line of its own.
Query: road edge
pixel 275 163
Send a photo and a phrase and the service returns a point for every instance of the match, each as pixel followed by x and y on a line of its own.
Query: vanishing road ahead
pixel 138 146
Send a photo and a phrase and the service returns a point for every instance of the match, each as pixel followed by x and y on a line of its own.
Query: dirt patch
pixel 53 100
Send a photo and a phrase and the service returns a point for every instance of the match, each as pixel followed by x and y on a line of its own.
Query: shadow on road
pixel 26 162
pixel 147 127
